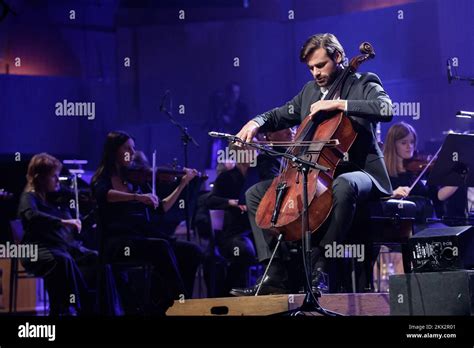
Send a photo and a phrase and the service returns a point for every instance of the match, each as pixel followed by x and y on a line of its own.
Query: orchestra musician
pixel 188 254
pixel 62 261
pixel 233 242
pixel 130 234
pixel 399 150
pixel 399 154
pixel 362 177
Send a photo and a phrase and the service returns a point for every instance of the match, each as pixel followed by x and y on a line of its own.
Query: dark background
pixel 82 60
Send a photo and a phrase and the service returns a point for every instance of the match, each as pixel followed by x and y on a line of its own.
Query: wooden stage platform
pixel 346 304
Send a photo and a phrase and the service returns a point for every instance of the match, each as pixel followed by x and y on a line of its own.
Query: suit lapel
pixel 347 86
pixel 344 93
pixel 317 93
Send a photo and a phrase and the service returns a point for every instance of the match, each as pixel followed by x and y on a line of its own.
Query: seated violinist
pixel 124 212
pixel 62 261
pixel 399 149
pixel 233 242
pixel 188 254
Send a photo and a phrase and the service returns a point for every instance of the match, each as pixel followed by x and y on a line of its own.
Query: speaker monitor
pixel 442 249
pixel 432 293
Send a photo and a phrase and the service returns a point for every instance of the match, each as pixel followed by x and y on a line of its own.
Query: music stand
pixel 454 164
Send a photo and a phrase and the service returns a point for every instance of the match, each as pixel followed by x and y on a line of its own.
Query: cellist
pixel 361 177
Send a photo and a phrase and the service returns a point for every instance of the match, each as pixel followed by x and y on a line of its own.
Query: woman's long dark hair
pixel 114 140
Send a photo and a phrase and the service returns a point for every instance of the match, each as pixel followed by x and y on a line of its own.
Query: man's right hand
pixel 248 132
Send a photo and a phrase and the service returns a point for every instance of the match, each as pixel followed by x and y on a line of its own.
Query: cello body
pixel 319 182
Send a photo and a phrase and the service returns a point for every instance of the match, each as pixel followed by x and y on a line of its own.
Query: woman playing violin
pixel 399 149
pixel 62 261
pixel 129 232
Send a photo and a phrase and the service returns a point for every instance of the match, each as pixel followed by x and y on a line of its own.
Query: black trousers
pixel 229 264
pixel 166 282
pixel 189 256
pixel 349 190
pixel 69 277
pixel 174 262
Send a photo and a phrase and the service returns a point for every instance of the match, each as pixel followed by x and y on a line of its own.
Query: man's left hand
pixel 327 105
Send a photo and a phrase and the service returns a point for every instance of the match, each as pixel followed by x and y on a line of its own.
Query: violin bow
pixel 75 173
pixel 153 176
pixel 424 170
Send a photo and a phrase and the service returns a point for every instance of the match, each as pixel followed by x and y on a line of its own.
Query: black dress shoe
pixel 269 287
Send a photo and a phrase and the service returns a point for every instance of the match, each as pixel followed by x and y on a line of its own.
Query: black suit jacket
pixel 367 104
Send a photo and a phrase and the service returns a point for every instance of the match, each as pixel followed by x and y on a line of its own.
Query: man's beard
pixel 333 76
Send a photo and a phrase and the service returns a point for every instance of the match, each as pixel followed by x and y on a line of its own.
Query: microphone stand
pixel 185 139
pixel 457 77
pixel 310 303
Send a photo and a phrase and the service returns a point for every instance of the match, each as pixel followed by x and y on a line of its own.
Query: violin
pixel 82 201
pixel 422 166
pixel 65 194
pixel 142 174
pixel 418 163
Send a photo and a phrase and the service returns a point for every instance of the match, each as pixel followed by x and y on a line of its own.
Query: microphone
pixel 450 75
pixel 163 99
pixel 221 135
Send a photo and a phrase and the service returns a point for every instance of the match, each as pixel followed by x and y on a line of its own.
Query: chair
pixel 106 265
pixel 217 222
pixel 391 224
pixel 146 270
pixel 17 234
pixel 217 225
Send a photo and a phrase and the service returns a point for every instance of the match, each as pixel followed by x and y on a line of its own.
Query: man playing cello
pixel 363 176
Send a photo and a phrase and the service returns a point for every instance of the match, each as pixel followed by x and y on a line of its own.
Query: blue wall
pixel 83 60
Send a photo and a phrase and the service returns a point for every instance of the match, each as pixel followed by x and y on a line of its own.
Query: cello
pixel 281 208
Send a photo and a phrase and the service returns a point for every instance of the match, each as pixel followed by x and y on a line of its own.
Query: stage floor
pixel 346 304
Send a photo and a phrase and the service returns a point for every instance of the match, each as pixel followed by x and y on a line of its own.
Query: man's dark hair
pixel 327 41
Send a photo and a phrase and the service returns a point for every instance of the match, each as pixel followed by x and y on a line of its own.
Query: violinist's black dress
pixel 131 236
